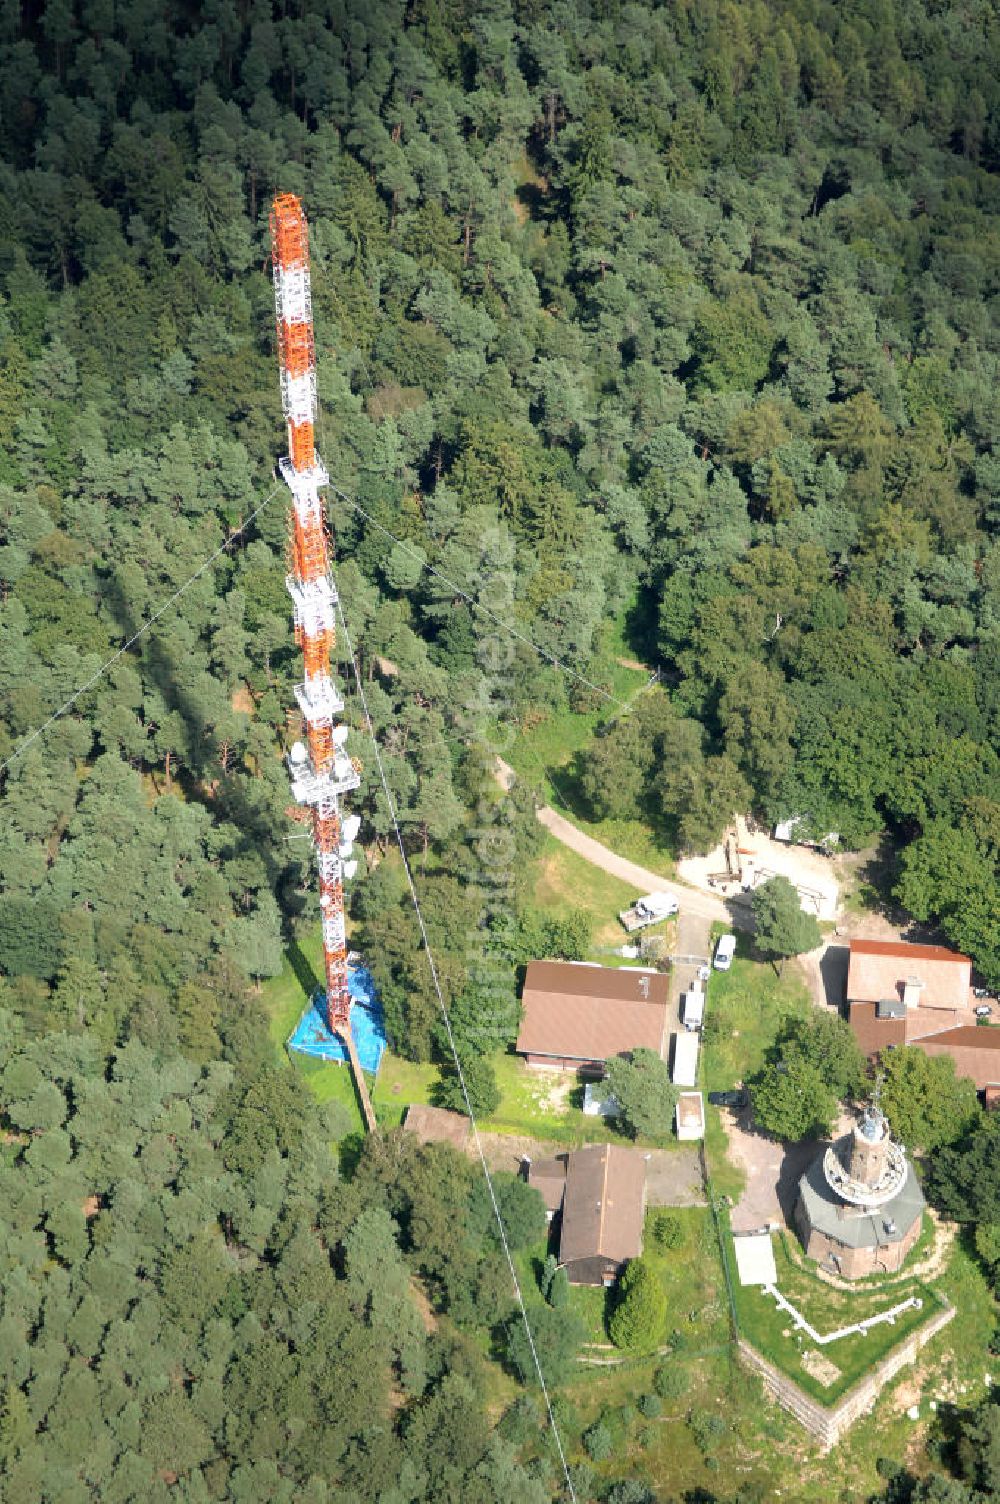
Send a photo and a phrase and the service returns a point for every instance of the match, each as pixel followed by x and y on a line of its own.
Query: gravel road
pixel 641 878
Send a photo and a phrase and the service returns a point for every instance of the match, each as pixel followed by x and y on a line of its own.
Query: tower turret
pixel 860 1205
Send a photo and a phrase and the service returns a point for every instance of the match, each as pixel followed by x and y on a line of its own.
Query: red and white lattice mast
pixel 321 770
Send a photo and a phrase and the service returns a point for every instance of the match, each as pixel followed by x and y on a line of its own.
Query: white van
pixel 692 1008
pixel 724 952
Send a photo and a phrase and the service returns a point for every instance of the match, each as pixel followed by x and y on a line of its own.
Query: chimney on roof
pixel 912 989
pixel 644 986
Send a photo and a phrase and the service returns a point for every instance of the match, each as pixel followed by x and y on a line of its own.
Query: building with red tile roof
pixel 975 1051
pixel 924 976
pixel 899 994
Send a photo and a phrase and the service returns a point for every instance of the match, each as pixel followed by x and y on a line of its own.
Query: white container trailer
pixel 685 1071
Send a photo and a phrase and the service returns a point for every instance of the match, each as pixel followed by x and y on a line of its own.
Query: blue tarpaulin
pixel 312 1037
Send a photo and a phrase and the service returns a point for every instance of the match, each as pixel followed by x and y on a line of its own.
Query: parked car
pixel 984 1011
pixel 736 1099
pixel 649 910
pixel 724 952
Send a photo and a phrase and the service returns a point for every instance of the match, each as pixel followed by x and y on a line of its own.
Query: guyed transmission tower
pixel 321 771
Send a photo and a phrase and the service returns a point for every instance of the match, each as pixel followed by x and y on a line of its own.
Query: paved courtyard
pixel 815 874
pixel 673 1176
pixel 772 1169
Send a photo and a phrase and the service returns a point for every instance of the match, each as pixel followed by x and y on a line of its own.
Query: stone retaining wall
pixel 828 1424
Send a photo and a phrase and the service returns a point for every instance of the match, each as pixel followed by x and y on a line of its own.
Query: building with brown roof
pixel 897 993
pixel 548 1178
pixel 435 1125
pixel 576 1017
pixel 975 1051
pixel 909 976
pixel 600 1191
pixel 919 995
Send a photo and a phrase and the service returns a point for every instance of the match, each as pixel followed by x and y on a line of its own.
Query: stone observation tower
pixel 859 1207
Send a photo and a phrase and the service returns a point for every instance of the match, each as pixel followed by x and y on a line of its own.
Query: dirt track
pixel 640 878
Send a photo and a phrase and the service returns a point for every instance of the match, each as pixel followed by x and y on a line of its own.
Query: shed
pixel 596 1106
pixel 689 1116
pixel 548 1178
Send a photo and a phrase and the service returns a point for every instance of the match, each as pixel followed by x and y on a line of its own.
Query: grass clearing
pixel 664 1449
pixel 727 1179
pixel 544 752
pixel 545 1104
pixel 593 1305
pixel 697 1314
pixel 827 1309
pixel 286 995
pixel 541 1105
pixel 720 1425
pixel 399 1083
pixel 747 1006
pixel 566 881
pixel 555 736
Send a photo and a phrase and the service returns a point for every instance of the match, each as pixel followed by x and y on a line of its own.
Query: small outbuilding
pixel 548 1178
pixel 689 1116
pixel 596 1105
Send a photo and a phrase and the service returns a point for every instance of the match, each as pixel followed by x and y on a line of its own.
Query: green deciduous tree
pixel 557 1336
pixel 640 1084
pixel 827 1041
pixel 927 1105
pixel 480 1087
pixel 640 1313
pixel 782 928
pixel 964 1179
pixel 522 1211
pixel 793 1100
